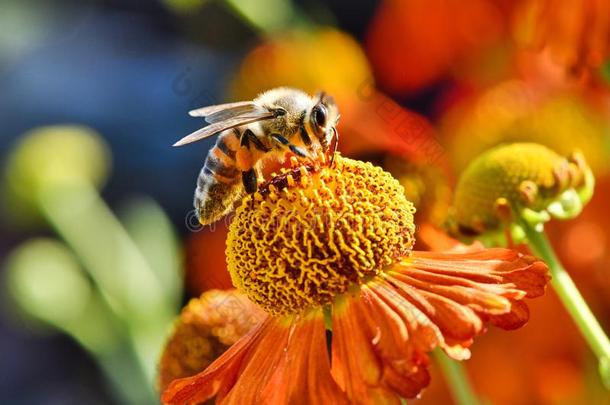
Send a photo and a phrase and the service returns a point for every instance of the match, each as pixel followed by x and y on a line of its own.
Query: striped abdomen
pixel 219 182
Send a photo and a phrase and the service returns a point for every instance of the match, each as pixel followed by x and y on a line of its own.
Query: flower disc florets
pixel 521 181
pixel 309 234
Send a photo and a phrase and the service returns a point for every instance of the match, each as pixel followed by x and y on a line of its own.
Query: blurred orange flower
pixel 207 326
pixel 518 111
pixel 330 60
pixel 575 34
pixel 322 59
pixel 414 43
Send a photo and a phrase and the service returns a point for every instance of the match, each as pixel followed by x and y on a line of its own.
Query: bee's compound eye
pixel 320 115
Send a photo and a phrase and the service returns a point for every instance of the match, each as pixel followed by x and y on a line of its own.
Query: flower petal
pixel 374 355
pixel 459 290
pixel 219 376
pixel 455 321
pixel 490 266
pixel 517 317
pixel 259 367
pixel 303 375
pixel 282 361
pixel 427 327
pixel 381 334
pixel 355 366
pixel 206 328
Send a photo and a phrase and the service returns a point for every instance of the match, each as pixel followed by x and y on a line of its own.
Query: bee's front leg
pixel 336 144
pixel 283 142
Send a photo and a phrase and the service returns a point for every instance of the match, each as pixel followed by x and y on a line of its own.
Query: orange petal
pixel 406 386
pixel 354 363
pixel 491 266
pixel 219 376
pixel 420 315
pixel 479 298
pixel 424 335
pixel 303 375
pixel 206 328
pixel 459 290
pixel 456 321
pixel 375 358
pixel 404 361
pixel 377 123
pixel 258 368
pixel 517 317
pixel 282 361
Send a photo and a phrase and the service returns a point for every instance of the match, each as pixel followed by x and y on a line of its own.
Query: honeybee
pixel 276 122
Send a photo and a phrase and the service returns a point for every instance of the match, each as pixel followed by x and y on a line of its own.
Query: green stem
pixel 121 370
pixel 124 277
pixel 572 299
pixel 457 379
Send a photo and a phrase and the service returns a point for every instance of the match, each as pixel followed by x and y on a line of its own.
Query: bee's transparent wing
pixel 228 123
pixel 209 110
pixel 234 112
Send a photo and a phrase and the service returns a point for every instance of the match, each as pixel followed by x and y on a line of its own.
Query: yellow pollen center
pixel 309 234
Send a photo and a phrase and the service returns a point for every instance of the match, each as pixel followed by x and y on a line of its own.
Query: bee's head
pixel 323 119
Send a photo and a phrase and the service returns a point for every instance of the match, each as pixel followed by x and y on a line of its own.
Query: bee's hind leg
pixel 249 177
pixel 250 181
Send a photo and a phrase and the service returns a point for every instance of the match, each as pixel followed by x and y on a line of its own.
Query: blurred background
pixel 99 245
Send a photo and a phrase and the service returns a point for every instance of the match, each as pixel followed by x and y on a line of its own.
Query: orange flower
pixel 518 111
pixel 575 34
pixel 207 326
pixel 322 58
pixel 332 251
pixel 413 44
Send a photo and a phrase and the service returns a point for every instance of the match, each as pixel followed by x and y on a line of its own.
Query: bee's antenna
pixel 321 96
pixel 336 145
